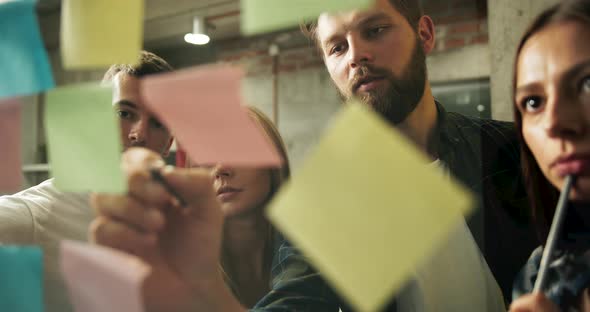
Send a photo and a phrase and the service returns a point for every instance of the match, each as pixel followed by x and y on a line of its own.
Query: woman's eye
pixel 531 104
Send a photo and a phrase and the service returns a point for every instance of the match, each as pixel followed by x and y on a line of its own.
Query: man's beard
pixel 398 99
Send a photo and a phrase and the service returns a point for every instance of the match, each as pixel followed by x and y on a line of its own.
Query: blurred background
pixel 470 68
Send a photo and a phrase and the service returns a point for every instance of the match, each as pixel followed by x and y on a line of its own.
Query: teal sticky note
pixel 83 139
pixel 21 279
pixel 260 16
pixel 23 59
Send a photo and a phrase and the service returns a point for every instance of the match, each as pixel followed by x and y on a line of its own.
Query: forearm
pixel 164 291
pixel 16 224
pixel 214 296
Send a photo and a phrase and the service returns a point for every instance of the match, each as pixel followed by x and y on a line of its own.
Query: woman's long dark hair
pixel 542 194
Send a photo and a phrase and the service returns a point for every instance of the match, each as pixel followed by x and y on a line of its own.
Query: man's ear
pixel 426 33
pixel 167 149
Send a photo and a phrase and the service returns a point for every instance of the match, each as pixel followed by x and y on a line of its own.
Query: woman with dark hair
pixel 552 113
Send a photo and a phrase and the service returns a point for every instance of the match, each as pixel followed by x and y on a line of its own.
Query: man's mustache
pixel 366 73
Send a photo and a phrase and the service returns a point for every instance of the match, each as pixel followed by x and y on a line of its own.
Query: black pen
pixel 554 231
pixel 157 176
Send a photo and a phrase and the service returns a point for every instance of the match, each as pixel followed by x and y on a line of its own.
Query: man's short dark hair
pixel 148 64
pixel 411 10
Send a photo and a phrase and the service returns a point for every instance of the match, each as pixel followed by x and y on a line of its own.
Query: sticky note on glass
pixel 259 16
pixel 23 59
pixel 367 178
pixel 97 34
pixel 201 106
pixel 102 279
pixel 21 272
pixel 83 139
pixel 11 179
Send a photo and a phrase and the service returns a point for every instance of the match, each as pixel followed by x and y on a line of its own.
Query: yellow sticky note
pixel 367 208
pixel 96 34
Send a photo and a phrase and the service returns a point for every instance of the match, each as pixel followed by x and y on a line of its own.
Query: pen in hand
pixel 549 248
pixel 157 176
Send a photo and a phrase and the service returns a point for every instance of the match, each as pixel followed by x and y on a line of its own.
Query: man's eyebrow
pixel 331 39
pixel 372 18
pixel 126 103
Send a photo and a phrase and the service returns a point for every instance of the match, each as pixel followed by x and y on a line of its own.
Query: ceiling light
pixel 199 34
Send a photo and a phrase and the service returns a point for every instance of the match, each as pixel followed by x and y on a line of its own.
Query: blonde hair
pixel 277 177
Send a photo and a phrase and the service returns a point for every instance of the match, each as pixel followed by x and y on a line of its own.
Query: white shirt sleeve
pixel 16 222
pixel 43 216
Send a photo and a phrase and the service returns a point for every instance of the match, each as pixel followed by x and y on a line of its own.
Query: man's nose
pixel 359 52
pixel 139 132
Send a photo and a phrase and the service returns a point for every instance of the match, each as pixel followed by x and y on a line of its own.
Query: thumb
pixel 192 185
pixel 138 158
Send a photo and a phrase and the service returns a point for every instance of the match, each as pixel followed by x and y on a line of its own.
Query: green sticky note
pixel 83 139
pixel 97 34
pixel 259 16
pixel 393 207
pixel 21 278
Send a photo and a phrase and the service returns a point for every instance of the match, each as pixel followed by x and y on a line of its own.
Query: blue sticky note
pixel 21 278
pixel 23 59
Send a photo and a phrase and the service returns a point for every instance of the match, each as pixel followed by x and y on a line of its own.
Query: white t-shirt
pixel 455 279
pixel 43 216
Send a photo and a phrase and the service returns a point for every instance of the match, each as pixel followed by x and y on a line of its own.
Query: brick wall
pixel 458 23
pixel 295 55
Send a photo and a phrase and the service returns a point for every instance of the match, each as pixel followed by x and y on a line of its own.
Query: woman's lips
pixel 227 193
pixel 578 166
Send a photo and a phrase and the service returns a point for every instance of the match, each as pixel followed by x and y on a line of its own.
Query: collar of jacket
pixel 457 149
pixel 446 137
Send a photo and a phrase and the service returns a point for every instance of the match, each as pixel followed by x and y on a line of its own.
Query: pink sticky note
pixel 11 179
pixel 201 106
pixel 102 279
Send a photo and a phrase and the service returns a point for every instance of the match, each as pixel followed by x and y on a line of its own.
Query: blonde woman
pixel 248 237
